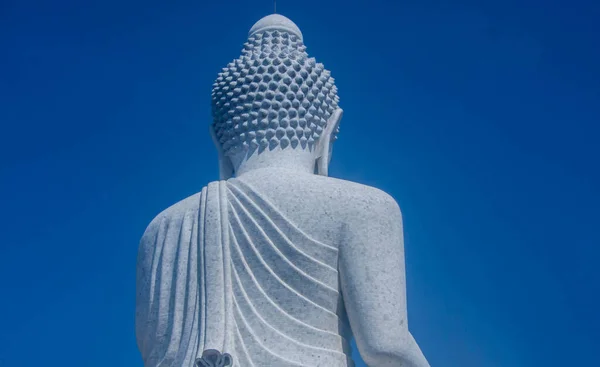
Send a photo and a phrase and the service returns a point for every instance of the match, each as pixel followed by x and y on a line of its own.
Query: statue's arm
pixel 144 322
pixel 373 284
pixel 154 289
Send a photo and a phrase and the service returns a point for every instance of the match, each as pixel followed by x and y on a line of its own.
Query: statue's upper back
pixel 323 207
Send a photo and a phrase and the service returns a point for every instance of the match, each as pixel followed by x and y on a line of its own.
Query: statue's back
pixel 284 249
pixel 268 268
pixel 259 254
pixel 323 206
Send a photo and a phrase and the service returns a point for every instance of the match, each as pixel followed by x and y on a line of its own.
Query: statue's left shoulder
pixel 171 216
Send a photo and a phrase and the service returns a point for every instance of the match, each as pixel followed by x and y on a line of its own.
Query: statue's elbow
pixel 399 354
pixel 381 358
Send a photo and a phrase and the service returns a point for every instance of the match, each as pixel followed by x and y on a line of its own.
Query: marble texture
pixel 276 264
pixel 273 94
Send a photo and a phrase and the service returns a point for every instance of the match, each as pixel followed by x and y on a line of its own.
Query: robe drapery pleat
pixel 225 270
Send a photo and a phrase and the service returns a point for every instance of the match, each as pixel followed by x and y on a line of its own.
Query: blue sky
pixel 479 117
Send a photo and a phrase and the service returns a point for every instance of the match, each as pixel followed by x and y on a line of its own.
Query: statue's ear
pixel 225 165
pixel 324 145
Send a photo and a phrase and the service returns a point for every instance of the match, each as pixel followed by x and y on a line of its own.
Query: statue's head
pixel 274 101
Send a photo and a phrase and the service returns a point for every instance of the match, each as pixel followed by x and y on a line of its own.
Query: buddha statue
pixel 275 264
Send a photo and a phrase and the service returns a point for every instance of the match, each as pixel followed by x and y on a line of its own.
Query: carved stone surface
pixel 276 264
pixel 273 95
pixel 214 358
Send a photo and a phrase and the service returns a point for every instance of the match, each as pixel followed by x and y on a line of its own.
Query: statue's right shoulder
pixel 359 194
pixel 359 202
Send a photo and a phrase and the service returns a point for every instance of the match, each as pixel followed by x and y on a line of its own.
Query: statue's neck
pixel 301 161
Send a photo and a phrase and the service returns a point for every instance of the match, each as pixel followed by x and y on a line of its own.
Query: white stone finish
pixel 273 95
pixel 276 264
pixel 275 22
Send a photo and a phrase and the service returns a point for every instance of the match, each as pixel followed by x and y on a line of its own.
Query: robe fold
pixel 225 270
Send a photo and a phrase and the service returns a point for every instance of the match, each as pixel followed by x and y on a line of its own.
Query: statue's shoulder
pixel 360 194
pixel 179 209
pixel 176 212
pixel 345 198
pixel 360 201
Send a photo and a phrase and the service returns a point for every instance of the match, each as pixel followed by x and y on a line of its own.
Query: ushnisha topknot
pixel 275 22
pixel 273 94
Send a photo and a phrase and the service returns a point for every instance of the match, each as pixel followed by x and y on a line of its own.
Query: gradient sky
pixel 479 117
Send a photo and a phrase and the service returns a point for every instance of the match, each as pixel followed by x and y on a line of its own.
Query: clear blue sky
pixel 479 117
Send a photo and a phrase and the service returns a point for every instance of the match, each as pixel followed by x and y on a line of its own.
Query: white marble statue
pixel 276 264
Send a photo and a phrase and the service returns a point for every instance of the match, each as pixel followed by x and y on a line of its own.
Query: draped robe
pixel 225 270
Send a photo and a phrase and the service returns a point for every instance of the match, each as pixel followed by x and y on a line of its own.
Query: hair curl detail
pixel 272 95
